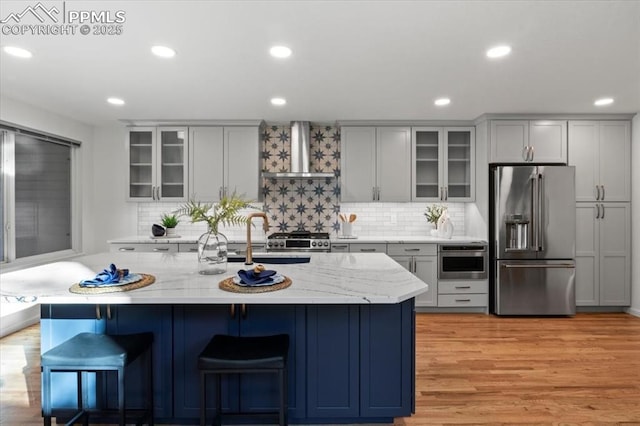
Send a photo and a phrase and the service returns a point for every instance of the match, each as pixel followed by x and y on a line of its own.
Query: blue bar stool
pixel 88 352
pixel 230 355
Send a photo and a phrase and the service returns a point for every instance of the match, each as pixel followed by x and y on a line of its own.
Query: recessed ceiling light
pixel 115 101
pixel 17 51
pixel 280 52
pixel 498 51
pixel 442 101
pixel 603 102
pixel 163 51
pixel 278 101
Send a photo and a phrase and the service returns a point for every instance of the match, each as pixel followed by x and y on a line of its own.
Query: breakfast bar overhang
pixel 350 318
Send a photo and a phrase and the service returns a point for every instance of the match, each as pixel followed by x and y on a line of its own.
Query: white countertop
pixel 330 278
pixel 334 239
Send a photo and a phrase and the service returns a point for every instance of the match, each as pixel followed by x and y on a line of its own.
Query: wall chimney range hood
pixel 300 155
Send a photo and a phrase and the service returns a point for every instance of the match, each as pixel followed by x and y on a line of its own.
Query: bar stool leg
pixel 218 419
pixel 203 398
pixel 121 396
pixel 150 396
pixel 46 396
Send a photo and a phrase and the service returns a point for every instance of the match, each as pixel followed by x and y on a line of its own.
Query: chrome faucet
pixel 265 226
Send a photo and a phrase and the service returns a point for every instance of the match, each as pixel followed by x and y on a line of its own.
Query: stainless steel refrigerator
pixel 533 233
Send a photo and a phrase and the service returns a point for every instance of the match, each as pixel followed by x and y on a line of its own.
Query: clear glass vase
pixel 212 253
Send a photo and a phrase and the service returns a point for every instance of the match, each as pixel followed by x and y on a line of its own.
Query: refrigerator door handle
pixel 539 266
pixel 540 213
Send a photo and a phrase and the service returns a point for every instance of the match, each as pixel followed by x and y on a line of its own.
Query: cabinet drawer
pixel 188 248
pixel 339 248
pixel 144 248
pixel 457 300
pixel 398 249
pixel 463 287
pixel 368 248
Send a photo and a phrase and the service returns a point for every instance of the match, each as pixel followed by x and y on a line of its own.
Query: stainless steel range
pixel 299 241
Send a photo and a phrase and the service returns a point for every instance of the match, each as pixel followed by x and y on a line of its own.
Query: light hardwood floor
pixel 471 369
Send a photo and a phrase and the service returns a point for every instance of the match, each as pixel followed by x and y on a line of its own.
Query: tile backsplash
pixel 398 219
pixel 302 204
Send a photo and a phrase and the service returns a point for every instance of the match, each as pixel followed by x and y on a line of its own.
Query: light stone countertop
pixel 334 239
pixel 330 278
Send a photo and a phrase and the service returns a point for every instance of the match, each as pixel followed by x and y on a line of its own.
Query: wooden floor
pixel 471 369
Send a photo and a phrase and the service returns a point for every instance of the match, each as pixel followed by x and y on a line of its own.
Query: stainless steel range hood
pixel 300 137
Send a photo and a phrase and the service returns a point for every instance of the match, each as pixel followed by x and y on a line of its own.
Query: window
pixel 37 202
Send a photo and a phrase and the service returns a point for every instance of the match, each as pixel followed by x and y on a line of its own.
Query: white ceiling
pixel 351 60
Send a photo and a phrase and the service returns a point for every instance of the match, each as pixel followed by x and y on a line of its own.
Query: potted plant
pixel 433 213
pixel 169 221
pixel 212 245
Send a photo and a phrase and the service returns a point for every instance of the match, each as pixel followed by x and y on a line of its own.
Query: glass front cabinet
pixel 157 163
pixel 443 164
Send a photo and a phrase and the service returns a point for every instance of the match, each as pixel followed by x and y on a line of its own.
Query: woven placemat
pixel 145 281
pixel 228 285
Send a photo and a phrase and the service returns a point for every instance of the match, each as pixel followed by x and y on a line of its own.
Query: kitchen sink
pixel 272 258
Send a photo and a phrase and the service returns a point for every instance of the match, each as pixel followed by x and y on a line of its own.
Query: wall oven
pixel 462 261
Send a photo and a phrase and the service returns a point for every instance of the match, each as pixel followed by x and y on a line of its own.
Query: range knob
pixel 313 244
pixel 326 244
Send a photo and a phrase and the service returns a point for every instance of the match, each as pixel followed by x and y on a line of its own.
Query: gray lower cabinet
pixel 463 293
pixel 422 261
pixel 144 247
pixel 603 246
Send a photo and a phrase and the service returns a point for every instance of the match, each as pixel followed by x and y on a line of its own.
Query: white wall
pixel 635 216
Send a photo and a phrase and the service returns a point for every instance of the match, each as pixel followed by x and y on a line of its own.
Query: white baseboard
pixel 14 321
pixel 633 311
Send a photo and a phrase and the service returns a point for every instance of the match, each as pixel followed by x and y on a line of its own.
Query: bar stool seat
pixel 232 354
pixel 89 352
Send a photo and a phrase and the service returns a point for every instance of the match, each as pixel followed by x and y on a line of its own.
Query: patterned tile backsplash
pixel 311 204
pixel 302 204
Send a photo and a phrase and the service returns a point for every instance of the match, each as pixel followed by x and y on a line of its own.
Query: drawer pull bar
pixel 126 249
pixel 370 250
pixel 411 249
pixel 161 249
pixel 463 300
pixel 463 287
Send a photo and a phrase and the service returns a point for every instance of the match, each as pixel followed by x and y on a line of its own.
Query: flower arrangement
pixel 225 212
pixel 433 213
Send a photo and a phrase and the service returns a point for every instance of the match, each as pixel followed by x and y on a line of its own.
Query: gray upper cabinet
pixel 223 160
pixel 601 152
pixel 443 164
pixel 375 164
pixel 157 164
pixel 524 141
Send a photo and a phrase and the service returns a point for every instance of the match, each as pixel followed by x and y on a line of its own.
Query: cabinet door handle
pixel 463 287
pixel 98 314
pixel 108 312
pixel 411 249
pixel 232 310
pixel 126 249
pixel 368 250
pixel 446 193
pixel 378 196
pixel 602 216
pixel 597 211
pixel 339 246
pixel 244 311
pixel 525 153
pixel 463 300
pixel 373 193
pixel 220 193
pixel 161 249
pixel 533 152
pixel 193 249
pixel 602 186
pixel 597 192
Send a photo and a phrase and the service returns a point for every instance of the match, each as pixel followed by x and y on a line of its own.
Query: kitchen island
pixel 350 318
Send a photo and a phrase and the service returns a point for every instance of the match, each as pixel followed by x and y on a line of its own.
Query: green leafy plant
pixel 225 212
pixel 169 220
pixel 433 213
